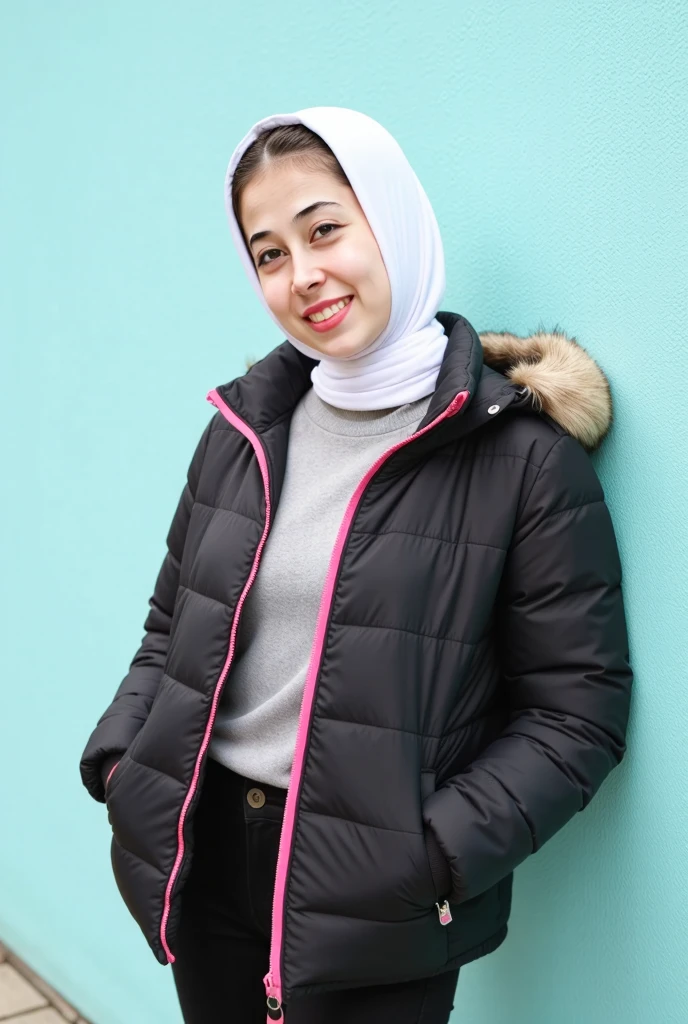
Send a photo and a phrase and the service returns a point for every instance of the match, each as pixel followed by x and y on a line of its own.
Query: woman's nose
pixel 306 275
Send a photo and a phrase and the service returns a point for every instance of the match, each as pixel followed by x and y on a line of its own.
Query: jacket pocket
pixel 113 782
pixel 115 773
pixel 440 871
pixel 427 783
pixel 110 774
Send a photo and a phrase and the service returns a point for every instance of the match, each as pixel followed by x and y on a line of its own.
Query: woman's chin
pixel 342 346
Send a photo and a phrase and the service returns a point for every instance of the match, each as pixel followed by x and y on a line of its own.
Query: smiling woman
pixel 313 233
pixel 386 656
pixel 320 268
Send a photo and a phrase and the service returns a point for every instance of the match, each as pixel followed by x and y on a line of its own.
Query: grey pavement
pixel 26 999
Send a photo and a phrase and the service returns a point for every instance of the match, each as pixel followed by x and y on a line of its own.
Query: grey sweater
pixel 329 452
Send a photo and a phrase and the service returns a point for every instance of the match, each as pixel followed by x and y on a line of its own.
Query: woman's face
pixel 310 259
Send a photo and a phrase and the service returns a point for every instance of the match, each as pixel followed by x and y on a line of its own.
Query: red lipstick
pixel 334 321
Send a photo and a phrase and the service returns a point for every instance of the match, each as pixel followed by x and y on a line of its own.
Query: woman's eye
pixel 322 227
pixel 267 252
pixel 326 228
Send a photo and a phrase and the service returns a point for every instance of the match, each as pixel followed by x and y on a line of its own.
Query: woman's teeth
pixel 325 314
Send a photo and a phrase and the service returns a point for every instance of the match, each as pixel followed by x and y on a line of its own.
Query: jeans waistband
pixel 274 796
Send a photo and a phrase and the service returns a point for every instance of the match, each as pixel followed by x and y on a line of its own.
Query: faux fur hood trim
pixel 563 380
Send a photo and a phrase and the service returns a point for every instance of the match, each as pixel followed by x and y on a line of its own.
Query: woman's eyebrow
pixel 297 217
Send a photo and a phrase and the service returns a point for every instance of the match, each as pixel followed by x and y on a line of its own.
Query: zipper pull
pixel 444 912
pixel 274 1002
pixel 274 1009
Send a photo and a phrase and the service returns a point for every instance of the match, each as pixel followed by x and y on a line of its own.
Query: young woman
pixel 386 655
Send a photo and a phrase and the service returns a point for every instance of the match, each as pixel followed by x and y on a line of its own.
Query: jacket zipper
pixel 243 428
pixel 273 979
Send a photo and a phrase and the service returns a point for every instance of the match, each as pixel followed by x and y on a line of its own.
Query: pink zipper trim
pixel 239 424
pixel 109 775
pixel 273 979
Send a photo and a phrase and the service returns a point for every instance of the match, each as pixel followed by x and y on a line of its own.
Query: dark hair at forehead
pixel 290 141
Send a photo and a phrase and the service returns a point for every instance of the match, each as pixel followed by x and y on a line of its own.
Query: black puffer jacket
pixel 469 684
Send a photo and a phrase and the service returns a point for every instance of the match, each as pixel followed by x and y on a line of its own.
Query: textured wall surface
pixel 551 139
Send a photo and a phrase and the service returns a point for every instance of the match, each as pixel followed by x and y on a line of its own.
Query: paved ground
pixel 27 999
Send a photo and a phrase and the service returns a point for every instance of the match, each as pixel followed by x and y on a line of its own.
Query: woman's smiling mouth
pixel 326 317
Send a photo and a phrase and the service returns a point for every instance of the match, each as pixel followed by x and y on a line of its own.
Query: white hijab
pixel 402 364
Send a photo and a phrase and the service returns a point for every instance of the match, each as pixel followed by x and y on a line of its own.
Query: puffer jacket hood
pixel 469 685
pixel 562 379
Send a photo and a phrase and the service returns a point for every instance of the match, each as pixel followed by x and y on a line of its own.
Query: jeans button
pixel 255 797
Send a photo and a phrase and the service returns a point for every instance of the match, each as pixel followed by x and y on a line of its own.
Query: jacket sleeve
pixel 132 702
pixel 561 632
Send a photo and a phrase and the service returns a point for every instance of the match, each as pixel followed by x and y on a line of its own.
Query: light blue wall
pixel 548 136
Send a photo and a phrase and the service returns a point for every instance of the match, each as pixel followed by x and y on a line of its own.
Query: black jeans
pixel 223 942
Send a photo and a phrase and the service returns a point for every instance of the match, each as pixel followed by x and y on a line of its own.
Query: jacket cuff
pixel 439 865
